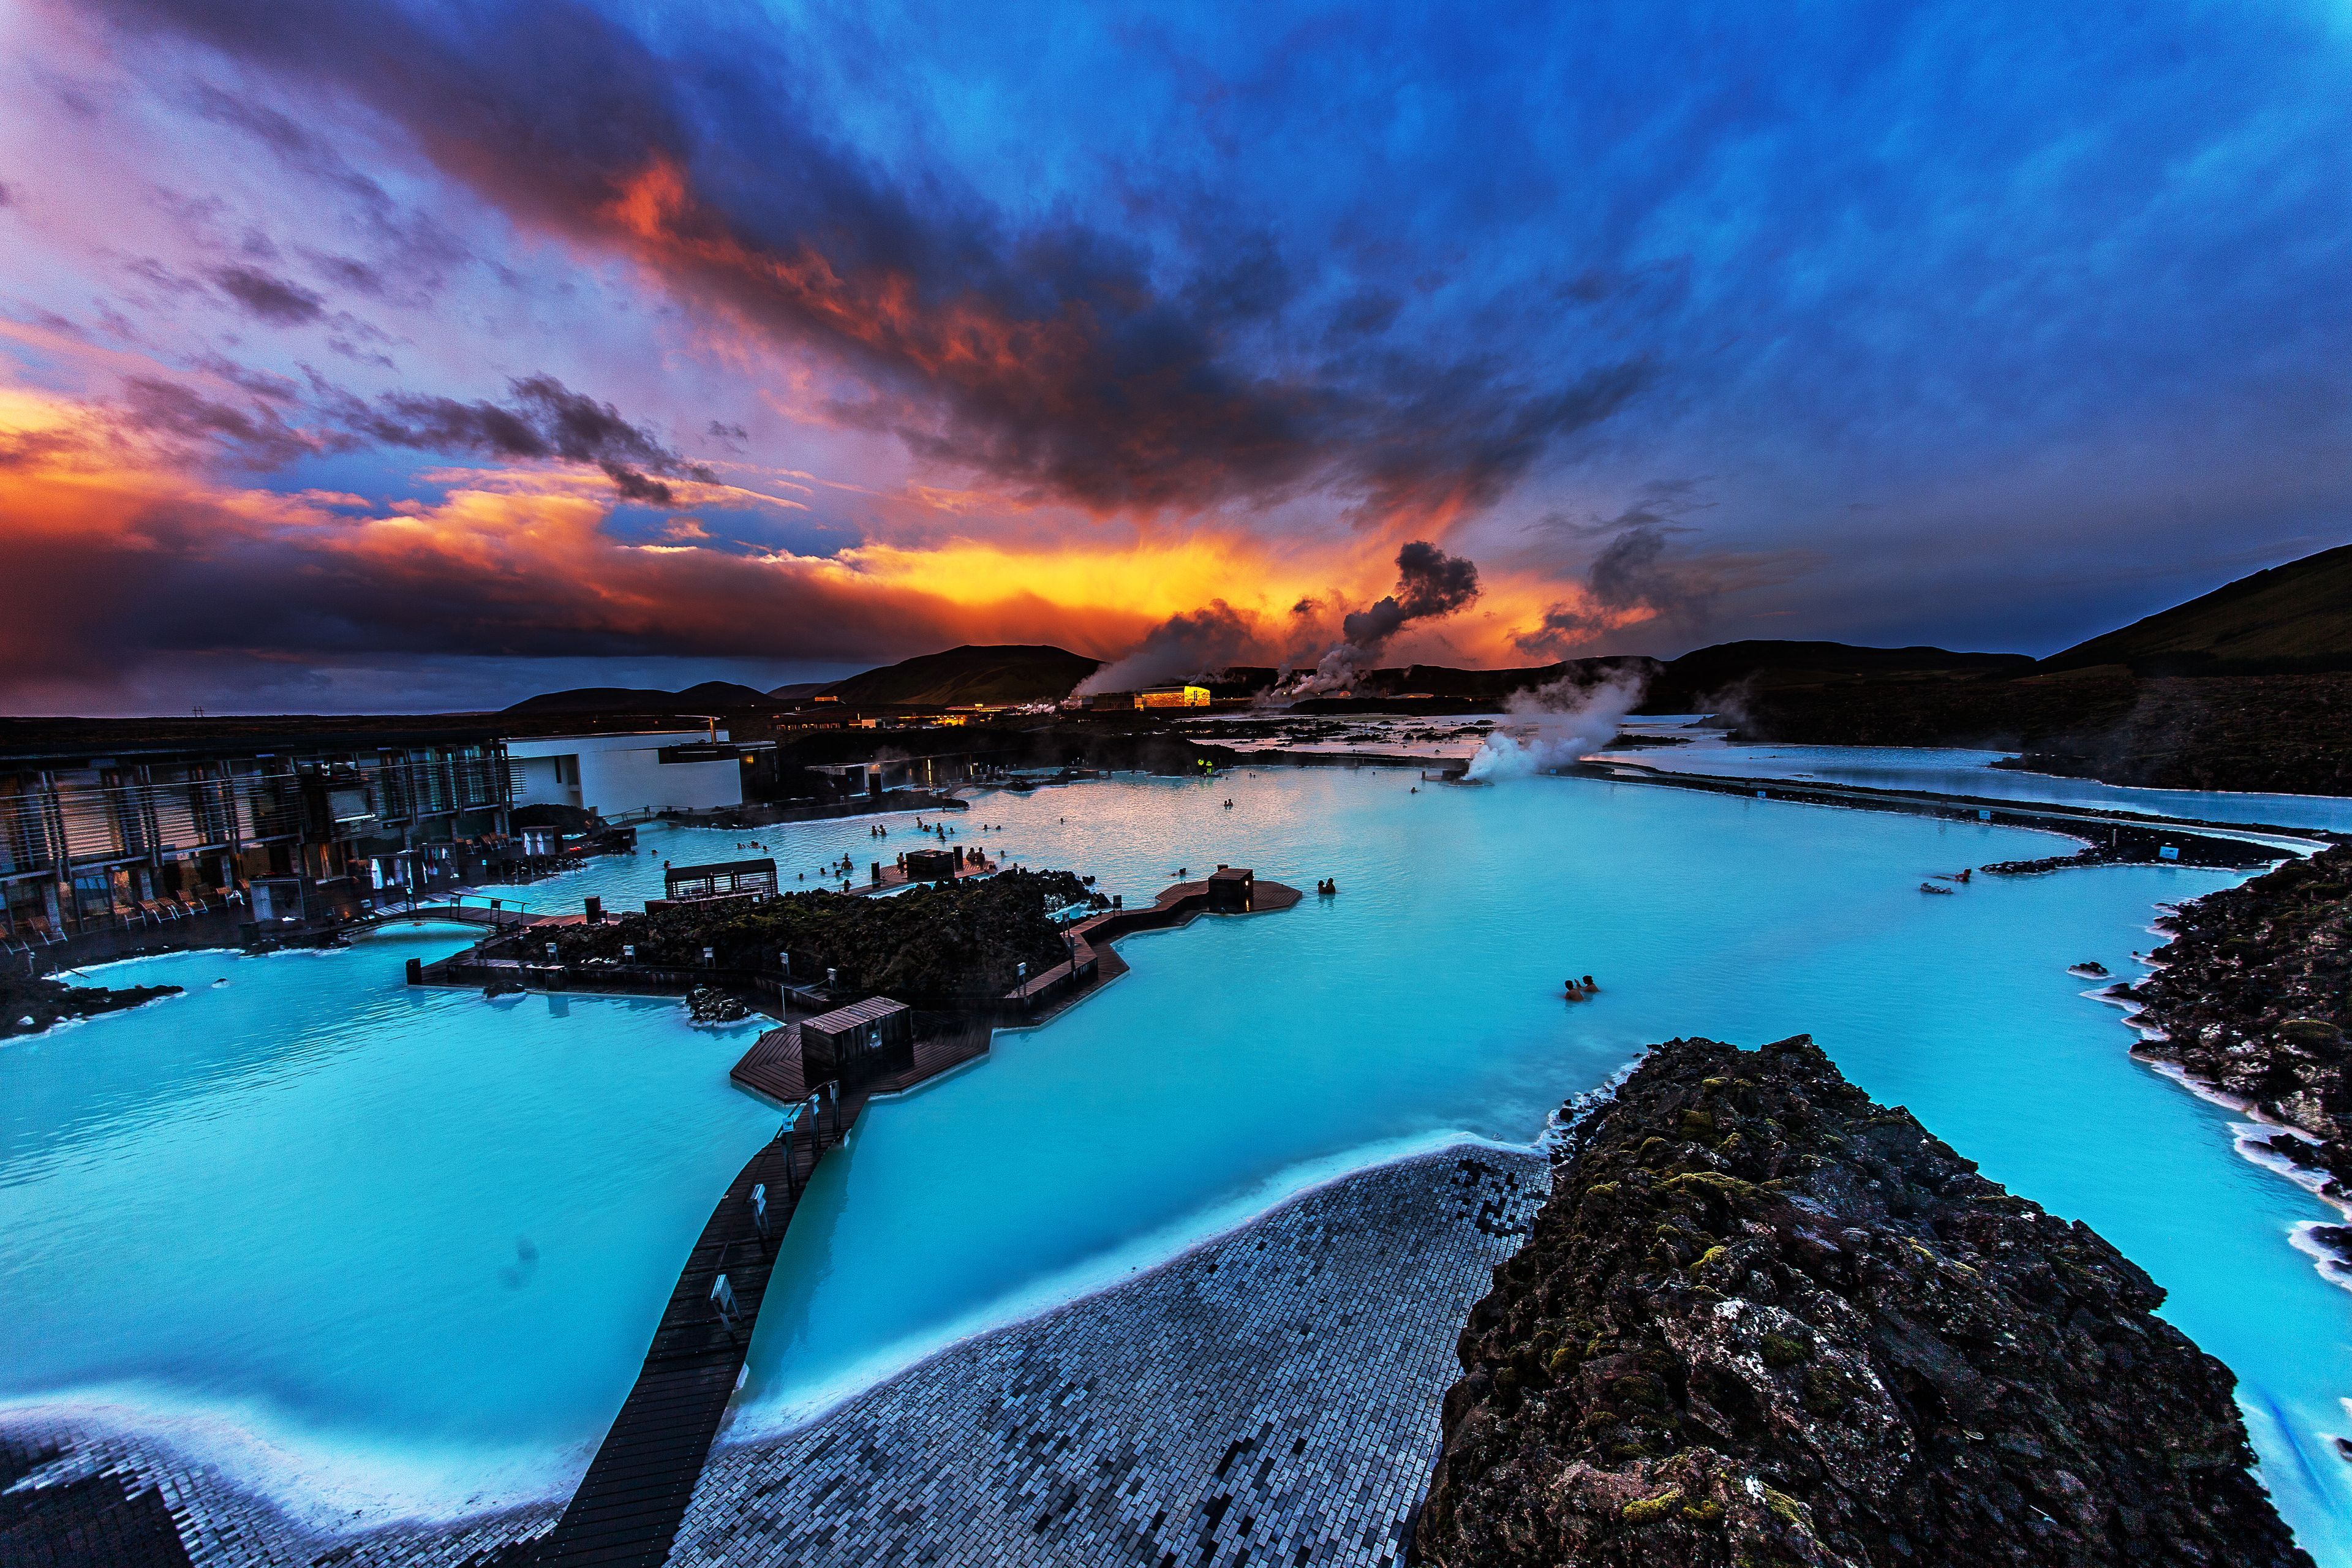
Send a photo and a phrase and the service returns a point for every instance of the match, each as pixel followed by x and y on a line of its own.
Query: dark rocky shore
pixel 2252 1001
pixel 29 1004
pixel 1762 1319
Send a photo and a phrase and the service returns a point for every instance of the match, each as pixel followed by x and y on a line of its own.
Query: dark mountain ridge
pixel 2289 620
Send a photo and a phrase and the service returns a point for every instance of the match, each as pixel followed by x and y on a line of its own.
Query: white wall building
pixel 619 774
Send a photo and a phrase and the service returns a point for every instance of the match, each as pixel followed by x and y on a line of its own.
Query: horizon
pixel 427 360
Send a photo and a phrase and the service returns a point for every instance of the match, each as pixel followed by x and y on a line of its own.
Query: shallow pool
pixel 416 1242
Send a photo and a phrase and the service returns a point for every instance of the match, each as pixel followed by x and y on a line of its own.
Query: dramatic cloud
pixel 1990 328
pixel 272 300
pixel 1050 356
pixel 546 419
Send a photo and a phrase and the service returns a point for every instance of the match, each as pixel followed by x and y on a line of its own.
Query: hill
pixel 1018 672
pixel 1697 679
pixel 1690 682
pixel 2246 687
pixel 2292 619
pixel 707 697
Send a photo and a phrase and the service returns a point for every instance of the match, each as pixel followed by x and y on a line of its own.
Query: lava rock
pixel 709 1004
pixel 2254 998
pixel 1762 1319
pixel 30 1004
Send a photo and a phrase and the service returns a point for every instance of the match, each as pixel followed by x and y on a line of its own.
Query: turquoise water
pixel 1241 1059
pixel 1951 771
pixel 305 1202
pixel 378 1250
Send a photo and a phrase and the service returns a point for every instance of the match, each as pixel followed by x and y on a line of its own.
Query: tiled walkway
pixel 1271 1398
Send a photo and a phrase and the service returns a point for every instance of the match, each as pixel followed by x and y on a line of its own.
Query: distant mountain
pixel 1494 685
pixel 708 697
pixel 2292 619
pixel 1683 684
pixel 1011 673
pixel 798 691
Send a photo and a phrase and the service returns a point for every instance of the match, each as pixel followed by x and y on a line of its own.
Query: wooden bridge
pixel 630 1503
pixel 497 914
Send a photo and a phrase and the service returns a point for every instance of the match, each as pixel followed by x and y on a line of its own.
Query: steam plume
pixel 1180 649
pixel 1566 721
pixel 1430 584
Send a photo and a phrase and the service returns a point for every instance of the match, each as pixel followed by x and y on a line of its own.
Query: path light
pixel 708 961
pixel 550 953
pixel 629 952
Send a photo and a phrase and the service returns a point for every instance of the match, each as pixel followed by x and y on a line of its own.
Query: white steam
pixel 1562 722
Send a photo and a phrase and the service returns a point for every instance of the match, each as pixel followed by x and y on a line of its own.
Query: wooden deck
pixel 771 1067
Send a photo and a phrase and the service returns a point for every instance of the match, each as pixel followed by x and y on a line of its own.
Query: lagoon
pixel 304 1179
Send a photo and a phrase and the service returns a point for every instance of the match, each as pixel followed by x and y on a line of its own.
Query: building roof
pixel 873 1010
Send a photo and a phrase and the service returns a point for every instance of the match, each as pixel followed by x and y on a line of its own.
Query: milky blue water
pixel 378 1248
pixel 1238 1061
pixel 1956 771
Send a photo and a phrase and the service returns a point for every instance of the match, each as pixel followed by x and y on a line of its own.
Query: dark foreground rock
pixel 2252 1000
pixel 1762 1319
pixel 29 1004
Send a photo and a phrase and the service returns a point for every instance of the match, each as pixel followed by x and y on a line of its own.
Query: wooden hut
pixel 860 1043
pixel 1233 889
pixel 930 865
pixel 751 879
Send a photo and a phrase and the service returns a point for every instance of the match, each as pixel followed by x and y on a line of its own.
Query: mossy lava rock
pixel 1765 1321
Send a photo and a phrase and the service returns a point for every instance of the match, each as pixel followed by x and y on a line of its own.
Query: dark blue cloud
pixel 1991 321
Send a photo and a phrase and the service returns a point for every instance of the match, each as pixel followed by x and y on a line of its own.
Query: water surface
pixel 416 1242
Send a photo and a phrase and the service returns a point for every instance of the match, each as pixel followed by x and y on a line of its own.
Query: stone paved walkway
pixel 1269 1398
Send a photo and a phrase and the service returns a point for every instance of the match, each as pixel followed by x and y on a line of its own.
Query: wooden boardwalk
pixel 628 1507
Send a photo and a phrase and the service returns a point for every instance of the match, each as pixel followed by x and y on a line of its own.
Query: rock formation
pixel 2252 999
pixel 1762 1319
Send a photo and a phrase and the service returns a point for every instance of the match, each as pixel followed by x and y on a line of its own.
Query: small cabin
pixel 860 1043
pixel 721 879
pixel 1233 888
pixel 930 865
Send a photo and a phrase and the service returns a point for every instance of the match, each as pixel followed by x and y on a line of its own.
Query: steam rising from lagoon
pixel 1559 724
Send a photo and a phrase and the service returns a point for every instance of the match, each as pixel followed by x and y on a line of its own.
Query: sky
pixel 367 355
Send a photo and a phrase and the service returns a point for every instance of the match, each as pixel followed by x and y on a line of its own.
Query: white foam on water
pixel 323 1479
